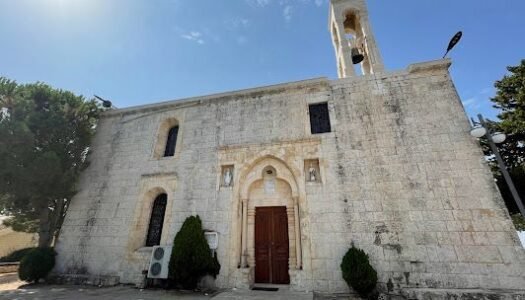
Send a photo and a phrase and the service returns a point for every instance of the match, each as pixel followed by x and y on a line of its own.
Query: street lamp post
pixel 479 130
pixel 105 103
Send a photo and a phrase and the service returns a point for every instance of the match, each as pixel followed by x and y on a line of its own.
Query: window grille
pixel 319 118
pixel 171 141
pixel 157 220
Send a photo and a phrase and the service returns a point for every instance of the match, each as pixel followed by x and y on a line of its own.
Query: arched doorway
pixel 269 249
pixel 271 245
pixel 270 233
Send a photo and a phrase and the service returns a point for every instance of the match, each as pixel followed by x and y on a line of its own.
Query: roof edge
pixel 210 97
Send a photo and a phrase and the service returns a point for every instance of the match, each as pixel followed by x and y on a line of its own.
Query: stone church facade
pixel 383 160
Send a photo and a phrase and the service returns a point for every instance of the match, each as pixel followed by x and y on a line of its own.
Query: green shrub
pixel 36 264
pixel 216 267
pixel 519 222
pixel 15 256
pixel 191 257
pixel 357 271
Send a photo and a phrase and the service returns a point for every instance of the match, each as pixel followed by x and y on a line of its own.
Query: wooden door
pixel 271 245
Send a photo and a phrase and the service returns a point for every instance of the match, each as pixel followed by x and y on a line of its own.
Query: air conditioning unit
pixel 160 259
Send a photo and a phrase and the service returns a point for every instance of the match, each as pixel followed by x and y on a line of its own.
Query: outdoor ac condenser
pixel 160 258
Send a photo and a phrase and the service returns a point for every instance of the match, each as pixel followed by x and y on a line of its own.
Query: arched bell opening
pixel 356 40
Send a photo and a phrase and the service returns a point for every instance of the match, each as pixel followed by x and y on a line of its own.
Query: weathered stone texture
pixel 400 178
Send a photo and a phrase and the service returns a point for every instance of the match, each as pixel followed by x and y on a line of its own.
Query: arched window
pixel 171 142
pixel 156 220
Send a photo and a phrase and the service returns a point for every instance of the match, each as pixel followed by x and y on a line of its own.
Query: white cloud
pixel 194 36
pixel 469 102
pixel 241 40
pixel 237 23
pixel 258 3
pixel 287 13
pixel 287 5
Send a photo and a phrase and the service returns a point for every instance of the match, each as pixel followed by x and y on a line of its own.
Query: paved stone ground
pixel 13 289
pixel 263 295
pixel 19 290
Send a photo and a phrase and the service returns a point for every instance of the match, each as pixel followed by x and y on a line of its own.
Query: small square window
pixel 319 118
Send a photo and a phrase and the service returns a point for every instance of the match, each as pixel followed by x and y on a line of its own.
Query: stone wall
pixel 400 178
pixel 11 241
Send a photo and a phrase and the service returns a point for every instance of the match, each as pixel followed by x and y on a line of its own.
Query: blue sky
pixel 143 51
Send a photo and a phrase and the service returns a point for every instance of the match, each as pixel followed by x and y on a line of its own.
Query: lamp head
pixel 105 103
pixel 478 131
pixel 499 137
pixel 453 42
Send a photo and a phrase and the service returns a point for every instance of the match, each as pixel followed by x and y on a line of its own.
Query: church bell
pixel 357 57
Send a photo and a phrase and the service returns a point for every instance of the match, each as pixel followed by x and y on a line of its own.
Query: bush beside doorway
pixel 191 258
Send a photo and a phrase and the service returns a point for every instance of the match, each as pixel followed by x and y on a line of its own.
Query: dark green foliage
pixel 519 222
pixel 510 101
pixel 518 177
pixel 191 257
pixel 15 256
pixel 44 141
pixel 36 264
pixel 357 271
pixel 216 267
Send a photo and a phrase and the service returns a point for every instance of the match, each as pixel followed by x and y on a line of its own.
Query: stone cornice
pixel 429 66
pixel 188 102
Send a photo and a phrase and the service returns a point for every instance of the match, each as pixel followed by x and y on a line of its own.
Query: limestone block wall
pixel 103 233
pixel 400 178
pixel 11 241
pixel 410 186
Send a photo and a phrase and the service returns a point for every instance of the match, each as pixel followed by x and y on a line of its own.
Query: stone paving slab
pixel 54 292
pixel 21 291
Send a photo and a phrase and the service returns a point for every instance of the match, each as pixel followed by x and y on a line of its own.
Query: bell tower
pixel 353 39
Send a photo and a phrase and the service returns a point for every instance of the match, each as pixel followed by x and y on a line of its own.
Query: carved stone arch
pixel 151 186
pixel 254 172
pixel 352 21
pixel 251 176
pixel 162 136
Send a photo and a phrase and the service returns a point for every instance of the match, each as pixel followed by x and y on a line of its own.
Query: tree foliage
pixel 518 177
pixel 191 257
pixel 36 264
pixel 519 222
pixel 510 101
pixel 357 271
pixel 16 255
pixel 44 141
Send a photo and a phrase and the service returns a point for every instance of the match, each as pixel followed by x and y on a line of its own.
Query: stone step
pixel 281 294
pixel 339 296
